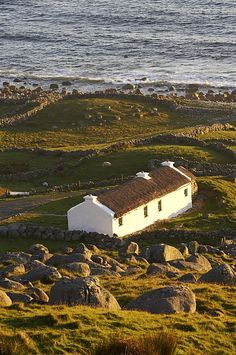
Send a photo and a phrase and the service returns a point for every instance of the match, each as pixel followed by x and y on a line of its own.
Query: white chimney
pixel 168 163
pixel 144 175
pixel 90 198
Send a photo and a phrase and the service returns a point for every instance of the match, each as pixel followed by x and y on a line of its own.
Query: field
pixel 126 162
pixel 81 124
pixel 87 123
pixel 59 329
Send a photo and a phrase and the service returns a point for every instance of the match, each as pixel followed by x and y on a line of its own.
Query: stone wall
pixel 179 139
pixel 199 168
pixel 11 120
pixel 49 233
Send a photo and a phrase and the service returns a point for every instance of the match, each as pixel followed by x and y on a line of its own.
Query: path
pixel 10 208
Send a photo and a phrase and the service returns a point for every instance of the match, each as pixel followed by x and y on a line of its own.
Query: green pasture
pixel 38 329
pixel 124 163
pixel 92 122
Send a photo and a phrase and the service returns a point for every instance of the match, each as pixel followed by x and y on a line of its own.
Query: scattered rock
pixel 132 248
pixel 62 259
pixel 166 300
pixel 5 300
pixel 221 274
pixel 38 295
pixel 54 87
pixel 193 247
pixel 11 285
pixel 17 80
pixel 184 250
pixel 159 253
pixel 19 297
pixel 98 259
pixel 66 83
pixel 106 163
pixel 43 273
pixel 35 248
pixel 128 87
pixel 13 270
pixel 160 269
pixel 201 261
pixel 82 291
pixel 188 278
pixel 80 268
pixel 67 250
pixel 15 257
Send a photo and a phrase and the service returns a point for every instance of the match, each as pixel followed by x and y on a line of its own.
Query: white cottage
pixel 163 193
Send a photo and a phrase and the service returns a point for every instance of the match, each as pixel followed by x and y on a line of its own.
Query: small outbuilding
pixel 163 193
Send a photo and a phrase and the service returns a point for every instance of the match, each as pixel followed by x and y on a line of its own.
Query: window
pixel 145 211
pixel 160 206
pixel 185 192
pixel 120 221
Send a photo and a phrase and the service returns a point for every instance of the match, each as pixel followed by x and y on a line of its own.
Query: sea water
pixel 103 43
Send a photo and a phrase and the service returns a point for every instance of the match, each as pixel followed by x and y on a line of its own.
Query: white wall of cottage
pixel 92 216
pixel 173 204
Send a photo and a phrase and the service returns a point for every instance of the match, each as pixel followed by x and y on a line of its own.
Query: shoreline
pixel 15 92
pixel 88 85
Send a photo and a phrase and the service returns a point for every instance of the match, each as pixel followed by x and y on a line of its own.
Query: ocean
pixel 104 43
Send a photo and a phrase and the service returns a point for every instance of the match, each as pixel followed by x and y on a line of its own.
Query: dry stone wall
pixel 49 233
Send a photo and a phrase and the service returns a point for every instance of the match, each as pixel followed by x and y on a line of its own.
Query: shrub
pixel 151 344
pixel 19 343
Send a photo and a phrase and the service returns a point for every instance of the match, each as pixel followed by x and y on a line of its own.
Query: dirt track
pixel 10 208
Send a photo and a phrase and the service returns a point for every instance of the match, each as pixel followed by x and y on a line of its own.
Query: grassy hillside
pixel 85 123
pixel 126 162
pixel 218 135
pixel 77 330
pixel 215 209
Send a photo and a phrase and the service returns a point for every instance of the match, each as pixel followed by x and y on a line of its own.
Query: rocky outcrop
pixel 160 269
pixel 11 285
pixel 166 300
pixel 5 300
pixel 188 278
pixel 201 261
pixel 17 297
pixel 220 274
pixel 159 253
pixel 63 259
pixel 82 291
pixel 82 269
pixel 42 273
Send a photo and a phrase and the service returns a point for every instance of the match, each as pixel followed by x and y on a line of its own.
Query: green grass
pixel 217 211
pixel 130 161
pixel 38 219
pixel 67 123
pixel 61 329
pixel 218 135
pixel 8 109
pixel 233 147
pixel 126 162
pixel 14 162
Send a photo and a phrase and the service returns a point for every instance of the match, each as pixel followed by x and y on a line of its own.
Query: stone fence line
pixel 16 118
pixel 28 231
pixel 85 155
